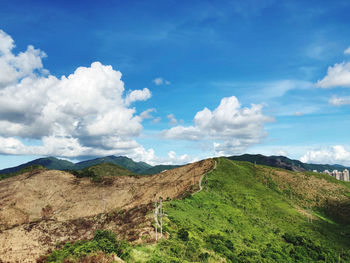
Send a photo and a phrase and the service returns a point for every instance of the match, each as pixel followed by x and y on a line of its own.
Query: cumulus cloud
pixel 337 76
pixel 14 67
pixel 172 119
pixel 84 114
pixel 347 51
pixel 339 101
pixel 331 155
pixel 161 81
pixel 174 159
pixel 137 95
pixel 231 127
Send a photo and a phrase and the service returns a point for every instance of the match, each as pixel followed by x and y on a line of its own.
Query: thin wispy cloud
pixel 339 101
pixel 347 51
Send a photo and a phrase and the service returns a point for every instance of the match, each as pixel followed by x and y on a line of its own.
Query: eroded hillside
pixel 42 209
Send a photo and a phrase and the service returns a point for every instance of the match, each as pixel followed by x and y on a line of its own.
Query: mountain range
pixel 53 163
pixel 283 162
pixel 286 163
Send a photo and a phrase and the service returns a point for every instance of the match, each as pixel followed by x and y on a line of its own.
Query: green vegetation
pixel 30 169
pixel 103 241
pixel 285 163
pixel 127 163
pixel 239 217
pixel 53 163
pixel 100 172
pixel 248 213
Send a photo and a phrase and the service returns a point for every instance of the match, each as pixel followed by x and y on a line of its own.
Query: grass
pixel 245 213
pixel 238 218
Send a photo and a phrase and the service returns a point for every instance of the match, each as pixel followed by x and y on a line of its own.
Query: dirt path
pixel 157 208
pixel 200 180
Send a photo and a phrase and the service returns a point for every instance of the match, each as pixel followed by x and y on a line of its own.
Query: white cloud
pixel 231 127
pixel 14 67
pixel 147 114
pixel 137 95
pixel 347 51
pixel 339 101
pixel 173 159
pixel 84 114
pixel 331 155
pixel 298 113
pixel 160 81
pixel 156 120
pixel 172 119
pixel 337 76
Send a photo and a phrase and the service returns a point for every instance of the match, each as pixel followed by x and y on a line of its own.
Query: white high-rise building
pixel 327 172
pixel 346 175
pixel 336 174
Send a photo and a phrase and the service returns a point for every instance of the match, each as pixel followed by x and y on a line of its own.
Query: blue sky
pixel 273 76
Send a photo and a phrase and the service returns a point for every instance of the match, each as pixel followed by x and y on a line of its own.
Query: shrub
pixel 183 234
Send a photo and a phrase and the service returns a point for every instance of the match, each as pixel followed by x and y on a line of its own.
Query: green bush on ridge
pixel 104 241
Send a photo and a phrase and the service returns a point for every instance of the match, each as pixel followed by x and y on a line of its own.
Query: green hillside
pixel 109 169
pixel 101 172
pixel 51 163
pixel 285 163
pixel 244 215
pixel 252 213
pixel 136 167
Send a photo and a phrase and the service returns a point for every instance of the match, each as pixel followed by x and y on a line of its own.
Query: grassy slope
pixel 109 169
pixel 240 219
pixel 285 163
pixel 136 167
pixel 245 213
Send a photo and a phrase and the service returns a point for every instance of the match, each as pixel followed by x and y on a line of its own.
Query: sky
pixel 174 81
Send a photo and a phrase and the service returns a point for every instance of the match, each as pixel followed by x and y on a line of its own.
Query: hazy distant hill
pixel 286 163
pixel 136 167
pixel 53 163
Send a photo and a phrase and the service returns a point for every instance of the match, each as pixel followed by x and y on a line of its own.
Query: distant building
pixel 315 171
pixel 343 176
pixel 327 172
pixel 336 174
pixel 346 175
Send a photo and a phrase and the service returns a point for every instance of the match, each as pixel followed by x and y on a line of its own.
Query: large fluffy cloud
pixel 85 113
pixel 337 76
pixel 231 127
pixel 332 155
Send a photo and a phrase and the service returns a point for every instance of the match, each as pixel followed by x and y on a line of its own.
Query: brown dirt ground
pixel 40 210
